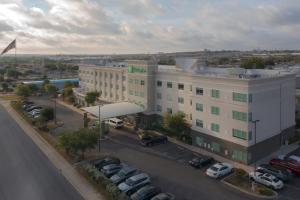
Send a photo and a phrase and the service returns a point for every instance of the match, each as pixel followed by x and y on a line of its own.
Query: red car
pixel 288 164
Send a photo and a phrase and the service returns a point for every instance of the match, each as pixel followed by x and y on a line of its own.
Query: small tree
pixel 91 97
pixel 4 86
pixel 23 91
pixel 33 88
pixel 175 124
pixel 50 89
pixel 68 92
pixel 47 114
pixel 78 141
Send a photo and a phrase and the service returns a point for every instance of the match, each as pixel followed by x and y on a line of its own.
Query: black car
pixel 150 140
pixel 99 164
pixel 201 161
pixel 145 193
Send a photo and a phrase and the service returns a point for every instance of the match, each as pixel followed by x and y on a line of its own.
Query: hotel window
pixel 117 76
pixel 158 108
pixel 100 74
pixel 117 87
pixel 169 110
pixel 124 78
pixel 159 83
pixel 141 94
pixel 130 80
pixel 239 116
pixel 180 86
pixel 199 91
pixel 191 88
pixel 169 84
pixel 199 141
pixel 181 100
pixel 136 81
pixel 123 88
pixel 191 102
pixel 239 134
pixel 199 107
pixel 239 155
pixel 199 123
pixel 215 110
pixel 136 93
pixel 142 82
pixel 105 74
pixel 111 75
pixel 215 146
pixel 215 127
pixel 239 97
pixel 158 95
pixel 215 93
pixel 130 92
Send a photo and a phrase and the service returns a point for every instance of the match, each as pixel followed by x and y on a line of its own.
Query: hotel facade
pixel 220 104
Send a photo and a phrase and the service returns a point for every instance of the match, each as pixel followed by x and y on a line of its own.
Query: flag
pixel 12 45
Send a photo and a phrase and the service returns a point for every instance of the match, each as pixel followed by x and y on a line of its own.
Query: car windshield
pixel 214 168
pixel 130 182
pixel 275 180
pixel 121 173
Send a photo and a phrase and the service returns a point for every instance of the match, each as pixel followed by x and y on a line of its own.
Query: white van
pixel 115 122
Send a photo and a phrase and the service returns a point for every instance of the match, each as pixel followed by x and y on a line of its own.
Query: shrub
pixel 264 191
pixel 47 114
pixel 240 172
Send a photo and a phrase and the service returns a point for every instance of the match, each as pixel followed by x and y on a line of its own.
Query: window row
pixel 137 82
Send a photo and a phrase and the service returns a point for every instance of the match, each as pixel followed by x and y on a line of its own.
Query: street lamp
pixel 254 122
pixel 99 106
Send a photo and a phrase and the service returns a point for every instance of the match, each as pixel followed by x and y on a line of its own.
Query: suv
pixel 123 174
pixel 115 122
pixel 150 140
pixel 266 179
pixel 134 183
pixel 106 161
pixel 279 172
pixel 145 193
pixel 202 161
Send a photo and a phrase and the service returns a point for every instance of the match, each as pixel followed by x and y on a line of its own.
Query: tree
pixel 33 88
pixel 23 91
pixel 68 84
pixel 68 92
pixel 47 114
pixel 4 86
pixel 253 63
pixel 91 97
pixel 78 141
pixel 175 124
pixel 51 89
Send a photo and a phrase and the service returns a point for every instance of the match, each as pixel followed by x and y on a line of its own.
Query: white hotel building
pixel 220 104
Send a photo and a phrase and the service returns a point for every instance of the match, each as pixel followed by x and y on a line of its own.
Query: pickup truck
pixel 266 179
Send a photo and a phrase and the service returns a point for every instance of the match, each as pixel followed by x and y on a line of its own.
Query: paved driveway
pixel 167 165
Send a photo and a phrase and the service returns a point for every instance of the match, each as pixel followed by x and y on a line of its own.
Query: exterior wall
pixel 270 100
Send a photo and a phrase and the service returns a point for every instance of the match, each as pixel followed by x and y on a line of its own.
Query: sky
pixel 148 26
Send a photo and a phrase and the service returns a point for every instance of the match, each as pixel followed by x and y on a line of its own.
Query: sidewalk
pixel 67 170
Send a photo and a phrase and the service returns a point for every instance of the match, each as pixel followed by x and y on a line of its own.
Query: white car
pixel 266 179
pixel 219 170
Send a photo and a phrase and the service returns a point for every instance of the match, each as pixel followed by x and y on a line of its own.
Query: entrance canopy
pixel 114 110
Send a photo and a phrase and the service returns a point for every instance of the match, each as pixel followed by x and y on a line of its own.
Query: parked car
pixel 163 196
pixel 288 164
pixel 279 172
pixel 145 193
pixel 33 107
pixel 35 111
pixel 109 170
pixel 150 140
pixel 106 161
pixel 201 161
pixel 266 179
pixel 134 183
pixel 219 169
pixel 27 105
pixel 115 122
pixel 123 174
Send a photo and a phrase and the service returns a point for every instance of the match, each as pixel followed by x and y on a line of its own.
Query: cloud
pixel 119 26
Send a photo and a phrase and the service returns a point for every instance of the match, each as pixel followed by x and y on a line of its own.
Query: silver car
pixel 134 183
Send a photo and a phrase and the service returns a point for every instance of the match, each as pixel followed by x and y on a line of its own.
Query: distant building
pixel 219 103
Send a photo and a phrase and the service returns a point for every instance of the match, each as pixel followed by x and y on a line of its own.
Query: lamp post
pixel 99 128
pixel 255 122
pixel 55 121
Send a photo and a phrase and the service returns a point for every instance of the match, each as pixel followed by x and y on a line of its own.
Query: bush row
pixel 111 190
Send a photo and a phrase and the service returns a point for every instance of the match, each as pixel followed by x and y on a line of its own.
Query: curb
pixel 249 193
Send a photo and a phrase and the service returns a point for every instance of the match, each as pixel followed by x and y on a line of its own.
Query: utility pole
pixel 255 122
pixel 99 106
pixel 55 121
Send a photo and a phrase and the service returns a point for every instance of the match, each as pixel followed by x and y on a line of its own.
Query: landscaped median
pixel 102 183
pixel 240 181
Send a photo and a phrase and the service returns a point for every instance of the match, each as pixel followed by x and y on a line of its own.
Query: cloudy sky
pixel 144 26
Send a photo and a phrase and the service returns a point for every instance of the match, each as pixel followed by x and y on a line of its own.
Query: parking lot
pixel 167 165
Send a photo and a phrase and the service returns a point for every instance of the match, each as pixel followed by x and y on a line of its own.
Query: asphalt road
pixel 25 172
